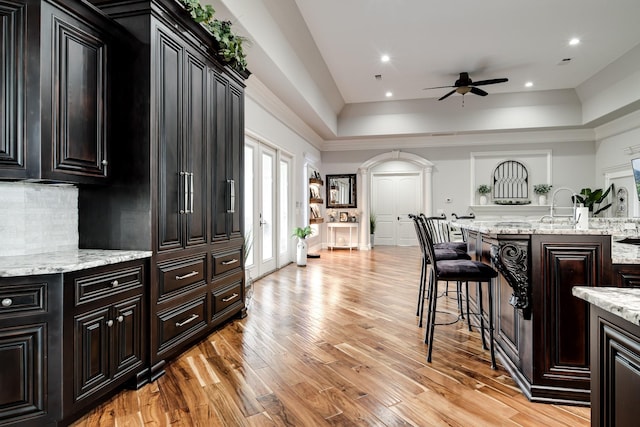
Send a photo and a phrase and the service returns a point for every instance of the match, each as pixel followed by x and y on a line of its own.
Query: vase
pixel 371 239
pixel 301 258
pixel 542 199
pixel 483 199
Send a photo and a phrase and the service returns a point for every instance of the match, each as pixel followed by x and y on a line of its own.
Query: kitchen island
pixel 541 329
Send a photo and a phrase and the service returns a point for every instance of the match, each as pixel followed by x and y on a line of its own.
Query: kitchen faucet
pixel 553 204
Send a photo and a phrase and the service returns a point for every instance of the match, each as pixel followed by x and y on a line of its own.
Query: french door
pixel 393 197
pixel 267 210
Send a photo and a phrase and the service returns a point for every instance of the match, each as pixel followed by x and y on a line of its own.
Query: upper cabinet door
pixel 54 90
pixel 172 181
pixel 12 91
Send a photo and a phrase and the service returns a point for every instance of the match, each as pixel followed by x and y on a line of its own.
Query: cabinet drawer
pixel 228 295
pixel 23 298
pixel 89 288
pixel 177 275
pixel 178 323
pixel 226 262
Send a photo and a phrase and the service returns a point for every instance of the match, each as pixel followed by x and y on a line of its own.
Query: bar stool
pixel 441 253
pixel 460 271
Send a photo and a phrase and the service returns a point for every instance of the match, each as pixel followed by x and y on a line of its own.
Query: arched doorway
pixel 373 168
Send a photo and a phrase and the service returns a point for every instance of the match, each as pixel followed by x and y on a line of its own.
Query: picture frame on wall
pixel 344 216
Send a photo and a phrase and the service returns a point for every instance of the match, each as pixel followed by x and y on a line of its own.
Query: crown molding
pixel 616 127
pixel 463 140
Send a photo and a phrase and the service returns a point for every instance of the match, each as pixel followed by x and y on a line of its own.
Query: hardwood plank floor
pixel 334 343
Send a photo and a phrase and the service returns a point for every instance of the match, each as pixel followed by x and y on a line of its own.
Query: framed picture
pixel 344 216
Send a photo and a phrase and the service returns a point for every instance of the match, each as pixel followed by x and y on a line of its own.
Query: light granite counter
pixel 621 253
pixel 623 302
pixel 65 261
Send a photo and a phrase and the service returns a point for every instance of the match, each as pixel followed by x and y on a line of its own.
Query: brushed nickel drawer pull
pixel 232 261
pixel 6 302
pixel 189 320
pixel 120 318
pixel 114 283
pixel 234 296
pixel 186 276
pixel 109 323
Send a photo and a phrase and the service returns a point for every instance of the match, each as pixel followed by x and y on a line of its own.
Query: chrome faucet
pixel 553 204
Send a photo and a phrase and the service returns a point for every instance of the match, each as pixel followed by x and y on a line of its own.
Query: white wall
pixel 573 165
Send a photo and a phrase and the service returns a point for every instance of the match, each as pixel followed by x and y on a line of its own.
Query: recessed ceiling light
pixel 385 58
pixel 528 84
pixel 388 94
pixel 574 41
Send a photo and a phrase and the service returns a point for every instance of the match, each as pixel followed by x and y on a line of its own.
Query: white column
pixel 428 191
pixel 363 202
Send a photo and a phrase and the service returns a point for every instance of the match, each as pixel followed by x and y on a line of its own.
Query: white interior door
pixel 284 209
pixel 261 225
pixel 393 197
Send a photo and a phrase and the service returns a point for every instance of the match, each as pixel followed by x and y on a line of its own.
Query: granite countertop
pixel 64 261
pixel 623 302
pixel 531 227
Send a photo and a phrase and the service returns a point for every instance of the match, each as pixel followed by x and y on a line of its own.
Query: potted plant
pixel 541 190
pixel 301 253
pixel 592 199
pixel 483 190
pixel 248 281
pixel 372 227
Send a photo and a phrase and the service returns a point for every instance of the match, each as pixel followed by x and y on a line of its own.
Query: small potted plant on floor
pixel 542 190
pixel 301 253
pixel 372 227
pixel 483 190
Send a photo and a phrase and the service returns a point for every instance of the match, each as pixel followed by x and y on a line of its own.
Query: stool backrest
pixel 438 227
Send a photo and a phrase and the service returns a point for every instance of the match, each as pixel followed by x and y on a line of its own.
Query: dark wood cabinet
pixel 615 368
pixel 30 350
pixel 545 346
pixel 626 276
pixel 55 89
pixel 181 196
pixel 105 333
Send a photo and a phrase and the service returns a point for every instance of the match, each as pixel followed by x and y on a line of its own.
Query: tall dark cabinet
pixel 177 175
pixel 55 89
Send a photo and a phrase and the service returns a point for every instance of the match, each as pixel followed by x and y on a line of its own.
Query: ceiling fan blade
pixel 437 87
pixel 477 91
pixel 489 82
pixel 447 95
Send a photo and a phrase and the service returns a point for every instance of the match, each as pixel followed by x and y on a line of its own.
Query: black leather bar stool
pixel 441 253
pixel 460 271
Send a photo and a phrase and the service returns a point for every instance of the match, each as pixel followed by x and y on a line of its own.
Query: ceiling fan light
pixel 463 90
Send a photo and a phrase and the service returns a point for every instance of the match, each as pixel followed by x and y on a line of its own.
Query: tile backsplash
pixel 37 218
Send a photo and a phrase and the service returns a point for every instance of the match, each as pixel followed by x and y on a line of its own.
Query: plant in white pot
pixel 372 227
pixel 542 190
pixel 301 247
pixel 483 190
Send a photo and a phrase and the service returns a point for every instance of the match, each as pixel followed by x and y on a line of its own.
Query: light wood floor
pixel 334 343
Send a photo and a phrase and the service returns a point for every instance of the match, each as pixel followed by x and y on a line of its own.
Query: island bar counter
pixel 542 330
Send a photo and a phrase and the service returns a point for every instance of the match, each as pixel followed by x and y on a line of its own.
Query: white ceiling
pixel 320 57
pixel 431 42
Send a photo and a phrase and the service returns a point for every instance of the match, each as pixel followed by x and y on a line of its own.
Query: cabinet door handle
pixel 109 323
pixel 231 261
pixel 186 276
pixel 185 190
pixel 191 192
pixel 189 320
pixel 105 162
pixel 120 318
pixel 114 283
pixel 232 297
pixel 6 302
pixel 231 185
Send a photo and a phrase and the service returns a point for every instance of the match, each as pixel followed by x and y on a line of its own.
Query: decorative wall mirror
pixel 341 191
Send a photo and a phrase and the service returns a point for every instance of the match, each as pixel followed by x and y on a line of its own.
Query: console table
pixel 333 228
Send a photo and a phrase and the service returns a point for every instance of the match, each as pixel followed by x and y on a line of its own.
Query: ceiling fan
pixel 465 85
